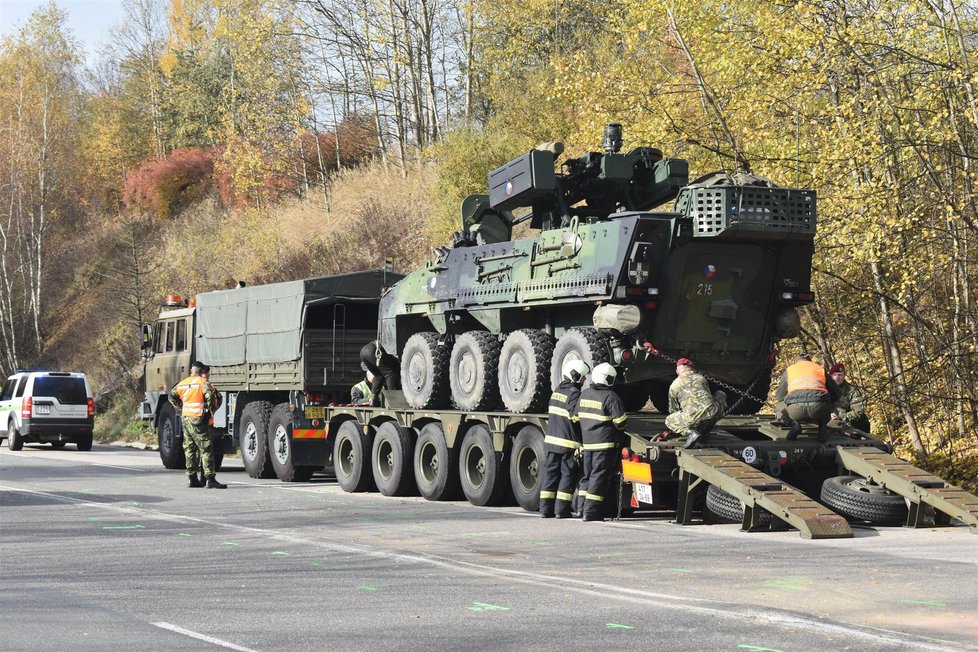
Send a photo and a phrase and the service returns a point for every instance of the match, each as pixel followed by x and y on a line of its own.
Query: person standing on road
pixel 601 413
pixel 851 407
pixel 197 400
pixel 562 442
pixel 693 410
pixel 806 393
pixel 383 366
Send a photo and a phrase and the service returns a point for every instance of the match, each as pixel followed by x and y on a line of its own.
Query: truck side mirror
pixel 147 343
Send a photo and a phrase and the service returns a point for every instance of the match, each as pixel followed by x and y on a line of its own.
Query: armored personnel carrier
pixel 717 278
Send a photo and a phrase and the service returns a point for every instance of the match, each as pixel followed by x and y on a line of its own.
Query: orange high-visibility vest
pixel 806 375
pixel 191 391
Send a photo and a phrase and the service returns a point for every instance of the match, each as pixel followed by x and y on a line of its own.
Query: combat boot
pixel 692 438
pixel 793 431
pixel 212 483
pixel 194 481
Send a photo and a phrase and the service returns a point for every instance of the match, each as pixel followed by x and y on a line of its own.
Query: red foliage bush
pixel 164 187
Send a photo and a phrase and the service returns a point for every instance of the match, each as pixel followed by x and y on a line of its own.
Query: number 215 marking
pixel 704 289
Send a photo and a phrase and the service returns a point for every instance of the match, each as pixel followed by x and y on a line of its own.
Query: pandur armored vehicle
pixel 717 279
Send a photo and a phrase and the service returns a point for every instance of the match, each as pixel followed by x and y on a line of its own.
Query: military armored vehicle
pixel 490 320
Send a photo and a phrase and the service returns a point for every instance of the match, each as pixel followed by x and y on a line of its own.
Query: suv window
pixel 8 389
pixel 68 391
pixel 19 386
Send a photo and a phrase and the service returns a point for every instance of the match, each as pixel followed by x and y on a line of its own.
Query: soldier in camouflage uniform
pixel 850 408
pixel 693 410
pixel 198 400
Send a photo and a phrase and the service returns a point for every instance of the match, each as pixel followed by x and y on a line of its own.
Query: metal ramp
pixel 757 491
pixel 916 485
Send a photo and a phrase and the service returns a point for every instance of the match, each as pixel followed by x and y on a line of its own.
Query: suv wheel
pixel 14 439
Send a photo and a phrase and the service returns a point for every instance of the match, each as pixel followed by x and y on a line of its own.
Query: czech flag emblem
pixel 709 271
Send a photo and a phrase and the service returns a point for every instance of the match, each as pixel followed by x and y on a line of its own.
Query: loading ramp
pixel 757 491
pixel 919 487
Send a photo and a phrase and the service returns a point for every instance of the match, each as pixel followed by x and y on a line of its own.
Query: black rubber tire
pixel 424 372
pixel 254 439
pixel 856 498
pixel 392 459
pixel 585 344
pixel 758 395
pixel 84 442
pixel 526 467
pixel 15 441
pixel 280 446
pixel 58 444
pixel 636 396
pixel 482 472
pixel 524 370
pixel 169 438
pixel 727 508
pixel 473 371
pixel 351 458
pixel 659 395
pixel 435 467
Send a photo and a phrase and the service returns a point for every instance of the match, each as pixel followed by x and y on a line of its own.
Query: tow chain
pixel 743 394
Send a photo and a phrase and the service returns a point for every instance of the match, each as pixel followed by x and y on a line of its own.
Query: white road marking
pixel 706 607
pixel 203 637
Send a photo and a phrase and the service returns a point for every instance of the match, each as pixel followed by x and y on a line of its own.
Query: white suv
pixel 52 407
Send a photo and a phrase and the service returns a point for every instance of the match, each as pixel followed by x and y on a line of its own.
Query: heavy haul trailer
pixel 751 473
pixel 263 344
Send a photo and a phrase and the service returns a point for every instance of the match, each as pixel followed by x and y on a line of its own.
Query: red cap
pixel 838 366
pixel 686 362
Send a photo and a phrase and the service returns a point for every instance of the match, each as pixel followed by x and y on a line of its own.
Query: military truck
pixel 490 321
pixel 265 344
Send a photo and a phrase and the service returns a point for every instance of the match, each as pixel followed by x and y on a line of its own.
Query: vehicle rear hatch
pixel 59 397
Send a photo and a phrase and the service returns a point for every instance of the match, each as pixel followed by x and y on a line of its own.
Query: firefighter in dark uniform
pixel 602 417
pixel 562 442
pixel 384 367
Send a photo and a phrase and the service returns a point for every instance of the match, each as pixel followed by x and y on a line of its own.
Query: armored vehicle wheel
pixel 58 444
pixel 578 344
pixel 659 395
pixel 524 370
pixel 424 371
pixel 84 442
pixel 15 441
pixel 280 447
pixel 168 438
pixel 435 470
pixel 482 473
pixel 254 439
pixel 859 498
pixel 635 396
pixel 351 458
pixel 391 459
pixel 526 467
pixel 727 508
pixel 473 371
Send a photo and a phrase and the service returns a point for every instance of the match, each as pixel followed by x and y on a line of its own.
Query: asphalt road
pixel 106 550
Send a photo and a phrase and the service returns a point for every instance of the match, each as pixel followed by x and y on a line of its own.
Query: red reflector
pixel 315 422
pixel 634 292
pixel 806 296
pixel 91 408
pixel 625 454
pixel 651 305
pixel 634 503
pixel 626 355
pixel 26 406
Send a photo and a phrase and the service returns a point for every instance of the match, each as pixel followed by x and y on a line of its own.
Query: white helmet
pixel 604 374
pixel 575 370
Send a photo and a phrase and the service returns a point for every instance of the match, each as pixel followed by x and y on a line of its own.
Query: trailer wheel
pixel 280 446
pixel 351 454
pixel 481 471
pixel 254 439
pixel 727 508
pixel 473 371
pixel 585 344
pixel 435 471
pixel 424 371
pixel 15 441
pixel 861 499
pixel 524 370
pixel 392 460
pixel 526 467
pixel 168 437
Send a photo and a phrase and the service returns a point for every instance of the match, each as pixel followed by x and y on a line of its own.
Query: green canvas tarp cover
pixel 264 323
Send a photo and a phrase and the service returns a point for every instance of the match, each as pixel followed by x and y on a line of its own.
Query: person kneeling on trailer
pixel 693 410
pixel 563 440
pixel 385 369
pixel 806 393
pixel 601 413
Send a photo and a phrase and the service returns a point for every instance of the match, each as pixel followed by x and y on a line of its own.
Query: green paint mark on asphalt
pixel 280 553
pixel 929 603
pixel 368 587
pixel 102 518
pixel 136 504
pixel 483 606
pixel 757 648
pixel 790 583
pixel 123 527
pixel 229 543
pixel 317 564
pixel 678 570
pixel 543 543
pixel 617 626
pixel 418 527
pixel 612 554
pixel 485 534
pixel 184 534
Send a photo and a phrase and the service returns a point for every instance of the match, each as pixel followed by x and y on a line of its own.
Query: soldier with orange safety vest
pixel 806 393
pixel 197 400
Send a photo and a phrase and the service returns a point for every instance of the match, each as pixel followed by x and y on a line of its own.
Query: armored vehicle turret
pixel 490 320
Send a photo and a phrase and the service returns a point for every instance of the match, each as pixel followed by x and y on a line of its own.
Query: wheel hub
pixel 417 372
pixel 518 372
pixel 467 372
